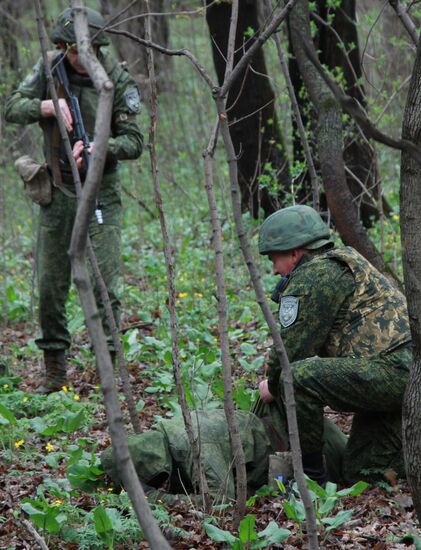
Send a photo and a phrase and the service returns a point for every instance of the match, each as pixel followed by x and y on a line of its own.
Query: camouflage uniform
pixel 164 453
pixel 56 219
pixel 346 332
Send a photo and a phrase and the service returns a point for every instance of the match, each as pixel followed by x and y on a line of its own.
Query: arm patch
pixel 288 310
pixel 132 99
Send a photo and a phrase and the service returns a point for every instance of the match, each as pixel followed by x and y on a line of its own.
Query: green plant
pixel 248 538
pixel 325 502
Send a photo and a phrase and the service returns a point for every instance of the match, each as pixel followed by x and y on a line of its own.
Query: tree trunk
pixel 329 140
pixel 411 238
pixel 338 46
pixel 254 129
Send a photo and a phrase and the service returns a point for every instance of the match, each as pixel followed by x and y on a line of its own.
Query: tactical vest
pixel 377 318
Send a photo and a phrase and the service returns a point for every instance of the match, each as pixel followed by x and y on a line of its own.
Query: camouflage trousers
pixel 54 270
pixel 372 389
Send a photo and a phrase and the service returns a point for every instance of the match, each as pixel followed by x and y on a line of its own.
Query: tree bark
pixel 410 194
pixel 338 44
pixel 329 139
pixel 81 276
pixel 262 162
pixel 169 263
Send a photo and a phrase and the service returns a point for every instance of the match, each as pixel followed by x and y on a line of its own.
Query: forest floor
pixel 382 515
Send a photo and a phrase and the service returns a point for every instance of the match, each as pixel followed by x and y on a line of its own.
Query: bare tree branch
pixel 77 254
pixel 169 262
pixel 352 108
pixel 406 20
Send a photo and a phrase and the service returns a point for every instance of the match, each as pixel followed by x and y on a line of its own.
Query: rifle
pixel 79 132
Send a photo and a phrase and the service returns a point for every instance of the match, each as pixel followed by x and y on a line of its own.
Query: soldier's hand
pixel 264 392
pixel 77 153
pixel 47 110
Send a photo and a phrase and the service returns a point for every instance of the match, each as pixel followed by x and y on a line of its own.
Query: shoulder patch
pixel 288 310
pixel 132 99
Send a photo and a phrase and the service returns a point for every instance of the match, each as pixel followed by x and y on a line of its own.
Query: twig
pixel 406 20
pixel 169 262
pixel 298 120
pixel 77 255
pixel 38 538
pixel 352 107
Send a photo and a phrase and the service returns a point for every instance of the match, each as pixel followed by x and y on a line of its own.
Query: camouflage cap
pixel 293 227
pixel 150 455
pixel 63 30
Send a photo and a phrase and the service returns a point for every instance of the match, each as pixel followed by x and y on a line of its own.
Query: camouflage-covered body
pixel 346 332
pixel 165 452
pixel 56 220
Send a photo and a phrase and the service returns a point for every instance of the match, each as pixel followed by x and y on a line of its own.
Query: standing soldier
pixel 346 332
pixel 31 103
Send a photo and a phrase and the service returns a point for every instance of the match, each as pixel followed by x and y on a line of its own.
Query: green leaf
pixel 247 530
pixel 248 349
pixel 290 511
pixel 102 521
pixel 355 490
pixel 341 517
pixel 73 421
pixel 103 526
pixel 140 405
pixel 410 538
pixel 326 506
pixel 218 535
pixel 274 534
pixel 6 416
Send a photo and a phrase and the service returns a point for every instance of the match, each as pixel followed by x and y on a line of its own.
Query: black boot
pixel 55 371
pixel 314 467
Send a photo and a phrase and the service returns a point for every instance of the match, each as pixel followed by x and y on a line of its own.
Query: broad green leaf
pixel 102 521
pixel 247 530
pixel 218 535
pixel 326 506
pixel 274 534
pixel 290 511
pixel 341 517
pixel 248 349
pixel 6 415
pixel 73 421
pixel 410 538
pixel 355 490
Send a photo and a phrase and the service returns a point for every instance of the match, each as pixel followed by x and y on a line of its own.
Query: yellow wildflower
pixel 25 399
pixel 110 489
pixel 71 388
pixel 5 386
pixel 76 397
pixel 183 294
pixel 395 217
pixel 198 295
pixel 64 388
pixel 58 502
pixel 19 443
pixel 49 447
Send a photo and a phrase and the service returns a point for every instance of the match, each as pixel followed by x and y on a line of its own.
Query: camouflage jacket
pixel 336 304
pixel 126 140
pixel 165 452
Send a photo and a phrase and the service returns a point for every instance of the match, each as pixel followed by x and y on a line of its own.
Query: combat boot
pixel 55 371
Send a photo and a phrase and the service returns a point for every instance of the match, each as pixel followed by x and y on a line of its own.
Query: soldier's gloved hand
pixel 264 392
pixel 77 153
pixel 47 110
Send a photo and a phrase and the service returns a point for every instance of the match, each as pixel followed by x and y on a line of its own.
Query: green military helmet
pixel 63 30
pixel 293 227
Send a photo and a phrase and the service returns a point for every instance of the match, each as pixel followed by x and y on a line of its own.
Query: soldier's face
pixel 284 262
pixel 73 58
